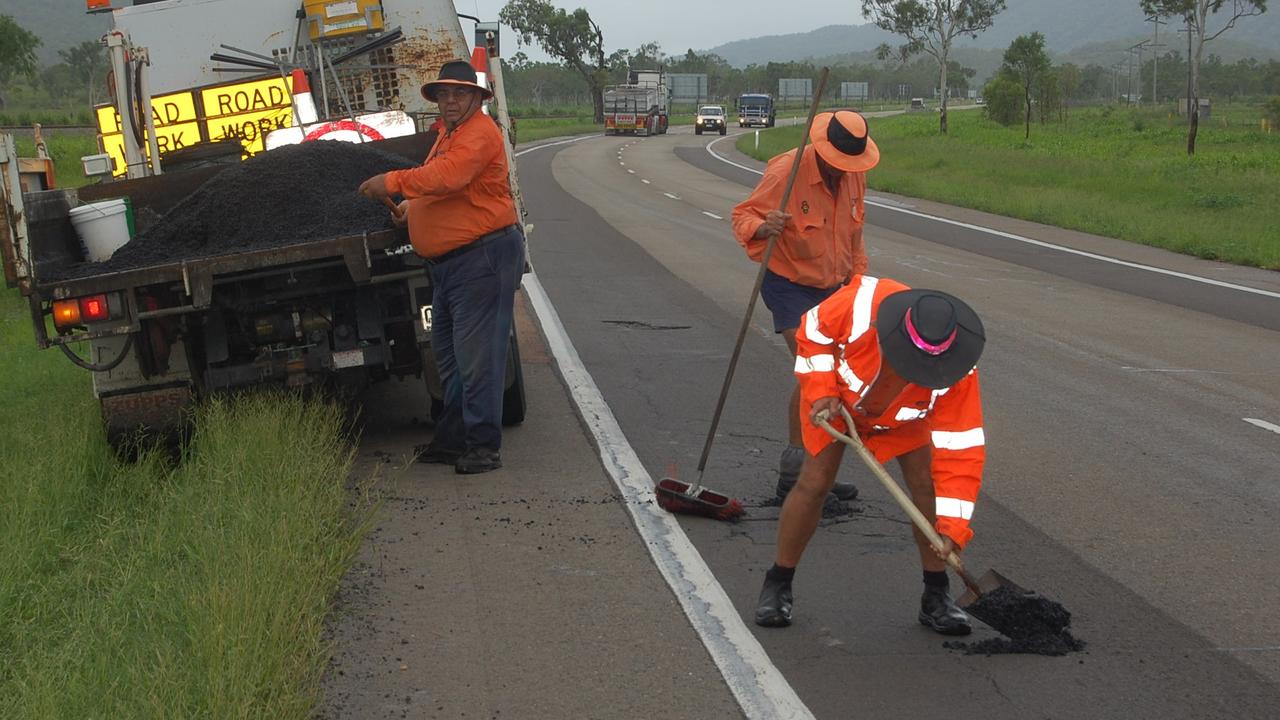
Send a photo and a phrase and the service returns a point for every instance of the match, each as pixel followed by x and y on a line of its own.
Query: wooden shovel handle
pixel 391 204
pixel 921 522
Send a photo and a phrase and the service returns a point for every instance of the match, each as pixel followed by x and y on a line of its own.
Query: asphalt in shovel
pixel 1033 624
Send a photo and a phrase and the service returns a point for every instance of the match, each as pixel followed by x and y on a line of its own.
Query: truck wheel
pixel 513 399
pixel 723 130
pixel 697 131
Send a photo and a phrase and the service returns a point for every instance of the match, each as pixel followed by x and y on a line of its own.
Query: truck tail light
pixel 94 308
pixel 87 309
pixel 66 313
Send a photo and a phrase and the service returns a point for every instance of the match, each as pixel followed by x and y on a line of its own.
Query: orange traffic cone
pixel 304 105
pixel 480 63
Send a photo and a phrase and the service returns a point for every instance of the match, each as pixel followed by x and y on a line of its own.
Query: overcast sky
pixel 678 25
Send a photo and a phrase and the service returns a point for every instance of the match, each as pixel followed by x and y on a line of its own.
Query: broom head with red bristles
pixel 680 497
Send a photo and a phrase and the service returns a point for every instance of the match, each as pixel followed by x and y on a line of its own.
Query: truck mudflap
pixel 158 412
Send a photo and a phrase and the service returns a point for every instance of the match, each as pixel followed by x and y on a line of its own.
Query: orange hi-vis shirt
pixel 460 191
pixel 838 355
pixel 821 245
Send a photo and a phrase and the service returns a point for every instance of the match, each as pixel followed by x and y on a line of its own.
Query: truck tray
pixel 197 274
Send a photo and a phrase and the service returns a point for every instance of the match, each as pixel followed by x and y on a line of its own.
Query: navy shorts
pixel 789 301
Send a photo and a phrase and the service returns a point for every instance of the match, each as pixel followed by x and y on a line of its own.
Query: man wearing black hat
pixel 462 219
pixel 904 362
pixel 819 245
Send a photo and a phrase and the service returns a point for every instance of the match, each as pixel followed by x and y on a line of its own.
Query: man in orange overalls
pixel 462 219
pixel 903 361
pixel 819 245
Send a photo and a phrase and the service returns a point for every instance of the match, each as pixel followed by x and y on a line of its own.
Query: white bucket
pixel 103 227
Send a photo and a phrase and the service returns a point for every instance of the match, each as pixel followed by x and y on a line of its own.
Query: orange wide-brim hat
pixel 842 140
pixel 455 72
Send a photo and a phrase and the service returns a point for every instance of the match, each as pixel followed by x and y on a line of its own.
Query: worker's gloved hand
pixel 773 223
pixel 375 188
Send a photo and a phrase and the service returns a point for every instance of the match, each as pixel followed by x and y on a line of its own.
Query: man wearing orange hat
pixel 462 219
pixel 904 362
pixel 819 245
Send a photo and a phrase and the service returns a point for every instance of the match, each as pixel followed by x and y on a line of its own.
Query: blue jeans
pixel 472 305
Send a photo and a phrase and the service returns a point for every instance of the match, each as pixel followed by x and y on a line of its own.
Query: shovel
pixel 974 589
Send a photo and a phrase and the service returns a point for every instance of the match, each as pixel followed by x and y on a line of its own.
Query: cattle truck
pixel 344 311
pixel 640 107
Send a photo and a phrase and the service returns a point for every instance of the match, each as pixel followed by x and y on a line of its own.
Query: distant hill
pixel 58 23
pixel 1089 26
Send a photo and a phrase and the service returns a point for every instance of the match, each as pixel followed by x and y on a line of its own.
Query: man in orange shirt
pixel 462 219
pixel 819 244
pixel 903 361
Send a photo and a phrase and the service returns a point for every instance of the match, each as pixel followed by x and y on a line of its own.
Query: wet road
pixel 1133 429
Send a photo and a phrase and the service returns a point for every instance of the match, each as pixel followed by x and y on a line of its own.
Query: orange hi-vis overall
pixel 838 355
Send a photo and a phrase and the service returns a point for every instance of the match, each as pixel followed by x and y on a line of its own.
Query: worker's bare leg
pixel 803 507
pixel 937 610
pixel 799 518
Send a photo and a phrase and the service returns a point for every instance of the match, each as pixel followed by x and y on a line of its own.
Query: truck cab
pixel 756 109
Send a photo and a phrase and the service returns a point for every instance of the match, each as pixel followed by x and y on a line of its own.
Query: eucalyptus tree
pixel 932 26
pixel 571 37
pixel 1197 15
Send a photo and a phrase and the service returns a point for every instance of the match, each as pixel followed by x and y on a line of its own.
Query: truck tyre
pixel 513 399
pixel 723 129
pixel 697 131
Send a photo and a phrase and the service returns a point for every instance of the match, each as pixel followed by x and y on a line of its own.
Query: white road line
pixel 1263 424
pixel 633 172
pixel 622 163
pixel 646 182
pixel 711 214
pixel 673 197
pixel 760 689
pixel 1030 241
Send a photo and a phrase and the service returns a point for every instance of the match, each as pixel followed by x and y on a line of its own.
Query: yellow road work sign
pixel 246 111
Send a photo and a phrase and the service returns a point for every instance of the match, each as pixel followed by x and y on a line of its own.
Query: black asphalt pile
pixel 282 197
pixel 1033 625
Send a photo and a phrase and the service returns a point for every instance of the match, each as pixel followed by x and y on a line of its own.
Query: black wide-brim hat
pixel 929 337
pixel 455 72
pixel 843 141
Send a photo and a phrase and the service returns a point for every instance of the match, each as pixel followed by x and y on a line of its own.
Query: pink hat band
pixel 925 345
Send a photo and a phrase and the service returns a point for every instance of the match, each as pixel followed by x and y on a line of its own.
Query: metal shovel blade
pixel 990 581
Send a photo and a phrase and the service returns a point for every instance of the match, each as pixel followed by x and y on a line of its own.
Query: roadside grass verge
pixel 1107 171
pixel 155 590
pixel 66 149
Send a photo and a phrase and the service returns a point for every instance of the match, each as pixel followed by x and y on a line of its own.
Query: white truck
pixel 346 310
pixel 639 107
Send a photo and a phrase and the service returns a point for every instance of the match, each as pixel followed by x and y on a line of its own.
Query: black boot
pixel 431 454
pixel 789 471
pixel 478 460
pixel 773 609
pixel 938 611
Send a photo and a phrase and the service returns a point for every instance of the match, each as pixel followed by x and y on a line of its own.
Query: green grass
pixel 1113 172
pixel 66 149
pixel 147 590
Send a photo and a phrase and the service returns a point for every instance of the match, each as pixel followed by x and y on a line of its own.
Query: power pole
pixel 1187 30
pixel 1155 58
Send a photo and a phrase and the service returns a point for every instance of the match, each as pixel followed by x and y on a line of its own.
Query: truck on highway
pixel 343 310
pixel 755 109
pixel 639 107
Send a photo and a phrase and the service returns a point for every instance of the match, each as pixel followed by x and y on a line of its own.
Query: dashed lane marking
pixel 1263 424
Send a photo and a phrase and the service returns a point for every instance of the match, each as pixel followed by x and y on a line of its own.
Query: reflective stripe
pixel 953 507
pixel 817 363
pixel 846 374
pixel 958 440
pixel 811 330
pixel 906 414
pixel 862 307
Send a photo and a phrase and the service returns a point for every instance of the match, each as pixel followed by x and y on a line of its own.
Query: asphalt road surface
pixel 1132 402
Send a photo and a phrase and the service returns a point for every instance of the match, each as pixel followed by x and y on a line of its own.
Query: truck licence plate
pixel 348 359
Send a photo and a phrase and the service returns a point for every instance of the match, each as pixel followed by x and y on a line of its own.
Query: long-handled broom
pixel 677 496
